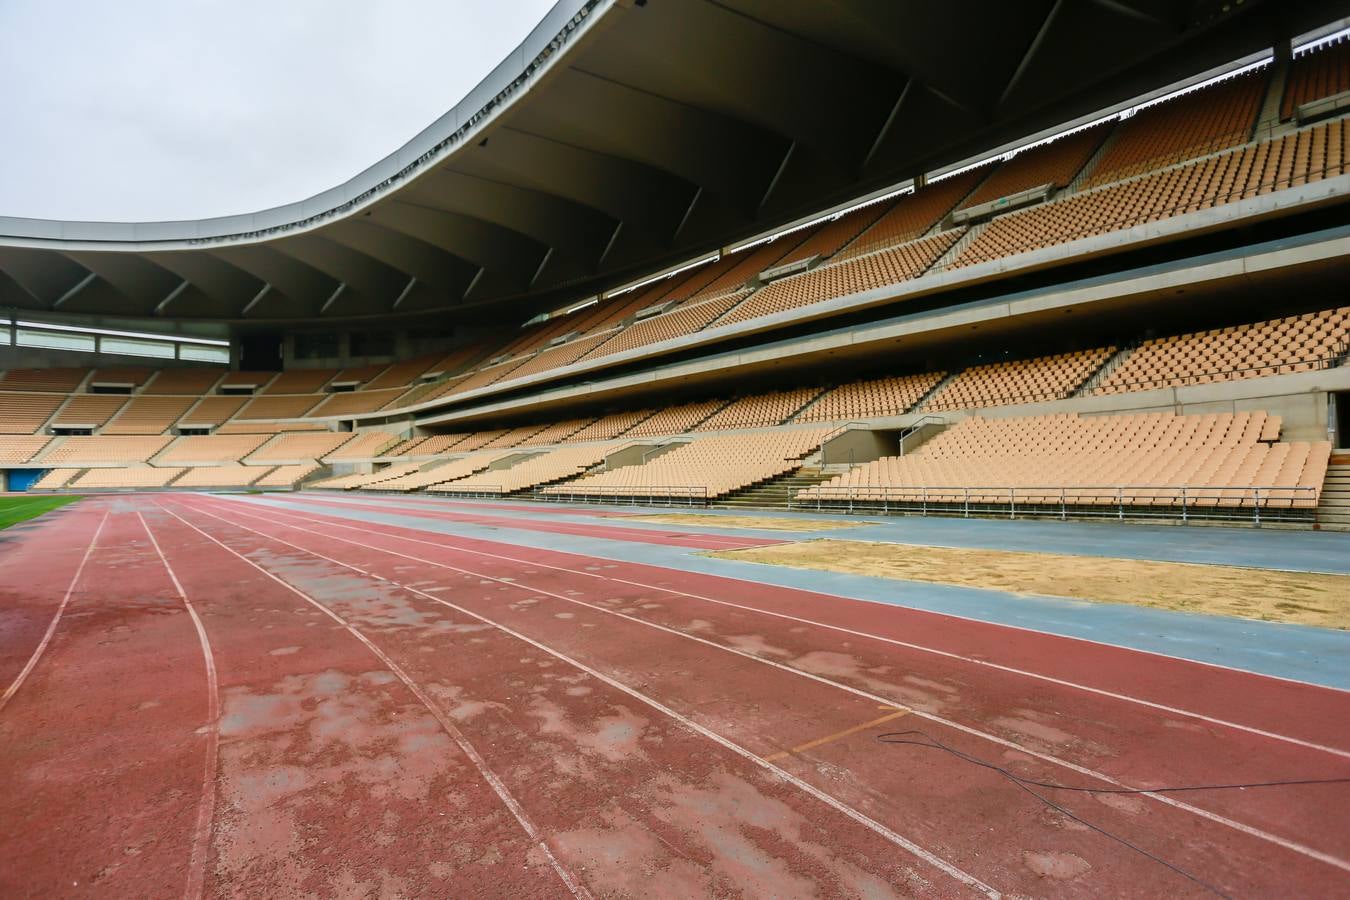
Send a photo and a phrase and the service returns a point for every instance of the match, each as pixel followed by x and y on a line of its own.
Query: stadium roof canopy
pixel 626 135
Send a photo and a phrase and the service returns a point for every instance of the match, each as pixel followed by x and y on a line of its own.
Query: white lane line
pixel 206 805
pixel 56 617
pixel 353 505
pixel 1055 760
pixel 828 799
pixel 1012 670
pixel 577 889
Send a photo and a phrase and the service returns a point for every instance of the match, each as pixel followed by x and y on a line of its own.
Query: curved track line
pixel 56 617
pixel 206 805
pixel 1082 770
pixel 828 799
pixel 1161 707
pixel 577 889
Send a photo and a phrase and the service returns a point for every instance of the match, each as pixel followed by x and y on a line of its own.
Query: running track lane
pixel 694 540
pixel 106 721
pixel 1218 846
pixel 334 777
pixel 625 791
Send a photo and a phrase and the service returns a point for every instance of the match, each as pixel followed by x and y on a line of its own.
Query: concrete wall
pixel 859 445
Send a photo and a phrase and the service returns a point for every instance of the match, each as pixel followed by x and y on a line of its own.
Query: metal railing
pixel 1322 363
pixel 449 489
pixel 1256 504
pixel 632 495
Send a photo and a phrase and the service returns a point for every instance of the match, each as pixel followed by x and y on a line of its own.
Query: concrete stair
pixel 775 493
pixel 1333 506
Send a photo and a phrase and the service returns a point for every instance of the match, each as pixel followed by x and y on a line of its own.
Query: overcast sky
pixel 140 110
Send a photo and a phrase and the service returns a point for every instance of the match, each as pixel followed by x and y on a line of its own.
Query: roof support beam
pixel 778 175
pixel 256 298
pixel 333 297
pixel 1030 53
pixel 403 295
pixel 885 128
pixel 173 295
pixel 84 283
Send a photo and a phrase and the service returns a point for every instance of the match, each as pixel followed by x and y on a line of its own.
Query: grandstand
pixel 723 328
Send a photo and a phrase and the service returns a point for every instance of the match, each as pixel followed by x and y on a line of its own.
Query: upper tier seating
pixel 257 380
pixel 20 448
pixel 512 436
pixel 828 238
pixel 914 215
pixel 564 462
pixel 149 415
pixel 869 399
pixel 360 374
pixel 557 432
pixel 611 425
pixel 1308 155
pixel 89 409
pixel 123 376
pixel 561 355
pixel 190 382
pixel 130 478
pixel 1019 381
pixel 1210 119
pixel 428 446
pixel 1219 459
pixel 102 449
pixel 349 402
pixel 708 466
pixel 364 445
pixel 26 413
pixel 279 406
pixel 1292 344
pixel 212 410
pixel 681 321
pixel 479 378
pixel 210 448
pixel 479 439
pixel 1054 164
pixel 772 408
pixel 675 419
pixel 63 381
pixel 294 448
pixel 400 374
pixel 851 276
pixel 245 427
pixel 731 273
pixel 1312 76
pixel 300 381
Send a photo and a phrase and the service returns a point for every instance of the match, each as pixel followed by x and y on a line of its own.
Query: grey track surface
pixel 1315 655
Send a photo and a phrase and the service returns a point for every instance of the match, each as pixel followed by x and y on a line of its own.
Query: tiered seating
pixel 731 273
pixel 1315 75
pixel 557 432
pixel 681 321
pixel 257 380
pixel 54 479
pixel 360 374
pixel 1292 344
pixel 350 402
pixel 704 467
pixel 89 409
pixel 610 426
pixel 246 427
pixel 476 440
pixel 132 478
pixel 869 399
pixel 279 406
pixel 220 476
pixel 512 437
pixel 21 448
pixel 149 415
pixel 1054 164
pixel 292 448
pixel 828 238
pixel 1208 120
pixel 64 381
pixel 440 474
pixel 122 376
pixel 565 462
pixel 366 479
pixel 401 374
pixel 428 446
pixel 480 378
pixel 300 381
pixel 914 215
pixel 212 410
pixel 364 445
pixel 210 448
pixel 772 408
pixel 187 382
pixel 675 420
pixel 852 275
pixel 459 359
pixel 26 413
pixel 285 476
pixel 1020 380
pixel 1310 154
pixel 1219 459
pixel 562 355
pixel 101 449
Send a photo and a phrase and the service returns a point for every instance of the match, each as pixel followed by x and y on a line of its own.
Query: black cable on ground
pixel 916 738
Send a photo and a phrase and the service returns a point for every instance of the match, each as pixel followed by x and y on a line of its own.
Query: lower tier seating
pixel 564 462
pixel 1138 460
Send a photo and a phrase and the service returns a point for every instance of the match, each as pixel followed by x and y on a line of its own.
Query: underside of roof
pixel 624 136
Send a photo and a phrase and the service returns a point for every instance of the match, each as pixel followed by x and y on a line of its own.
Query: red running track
pixel 389 694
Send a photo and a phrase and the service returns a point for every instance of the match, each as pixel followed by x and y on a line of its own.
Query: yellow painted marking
pixel 837 735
